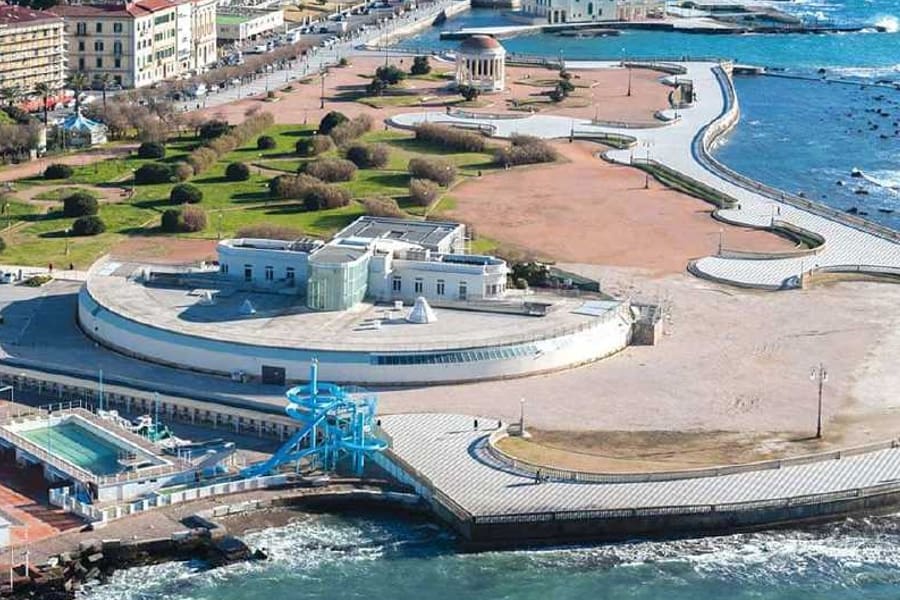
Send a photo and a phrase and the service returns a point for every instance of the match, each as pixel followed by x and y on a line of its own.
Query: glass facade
pixel 458 356
pixel 337 286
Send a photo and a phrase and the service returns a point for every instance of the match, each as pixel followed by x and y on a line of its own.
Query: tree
pixel 170 222
pixel 78 81
pixel 151 173
pixel 44 90
pixel 213 129
pixel 390 74
pixel 469 92
pixel 330 121
pixel 151 150
pixel 11 94
pixel 420 66
pixel 265 142
pixel 79 204
pixel 90 225
pixel 185 193
pixel 376 87
pixel 57 171
pixel 237 171
pixel 104 79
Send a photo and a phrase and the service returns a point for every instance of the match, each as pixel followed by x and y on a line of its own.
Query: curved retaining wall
pixel 602 337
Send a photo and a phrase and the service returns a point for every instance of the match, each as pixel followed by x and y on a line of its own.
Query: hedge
pixel 365 156
pixel 449 137
pixel 383 206
pixel 525 150
pixel 331 169
pixel 89 225
pixel 330 121
pixel 58 171
pixel 315 193
pixel 422 192
pixel 154 173
pixel 265 142
pixel 237 171
pixel 439 170
pixel 79 204
pixel 151 150
pixel 350 130
pixel 314 145
pixel 213 129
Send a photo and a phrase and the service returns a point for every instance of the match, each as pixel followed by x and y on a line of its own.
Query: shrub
pixel 58 171
pixel 237 171
pixel 185 193
pixel 79 204
pixel 422 192
pixel 566 86
pixel 314 145
pixel 331 169
pixel 366 156
pixel 154 173
pixel 449 137
pixel 89 225
pixel 265 142
pixel 291 187
pixel 343 62
pixel 269 231
pixel 420 66
pixel 151 150
pixel 439 170
pixel 170 222
pixel 383 206
pixel 390 74
pixel 202 159
pixel 193 219
pixel 525 150
pixel 183 171
pixel 468 92
pixel 213 129
pixel 350 130
pixel 330 121
pixel 2 244
pixel 322 195
pixel 376 87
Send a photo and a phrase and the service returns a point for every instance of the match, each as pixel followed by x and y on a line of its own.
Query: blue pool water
pixel 79 446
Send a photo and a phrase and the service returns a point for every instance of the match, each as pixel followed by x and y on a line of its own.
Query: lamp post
pixel 322 92
pixel 721 239
pixel 819 375
pixel 522 417
pixel 68 231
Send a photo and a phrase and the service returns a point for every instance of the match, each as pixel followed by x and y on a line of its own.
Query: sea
pixel 797 134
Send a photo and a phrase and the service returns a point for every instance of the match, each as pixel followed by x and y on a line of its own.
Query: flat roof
pixel 19 15
pixel 337 253
pixel 424 233
pixel 233 19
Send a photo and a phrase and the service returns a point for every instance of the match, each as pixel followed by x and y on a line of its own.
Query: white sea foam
pixel 889 23
pixel 885 179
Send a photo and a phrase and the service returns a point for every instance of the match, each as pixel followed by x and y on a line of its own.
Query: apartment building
pixel 582 11
pixel 139 43
pixel 31 48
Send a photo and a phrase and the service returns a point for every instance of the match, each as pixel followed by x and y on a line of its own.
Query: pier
pixel 492 503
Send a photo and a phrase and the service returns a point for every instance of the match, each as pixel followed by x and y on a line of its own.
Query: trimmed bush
pixel 154 173
pixel 269 231
pixel 449 137
pixel 420 66
pixel 438 170
pixel 79 204
pixel 89 225
pixel 350 130
pixel 170 222
pixel 265 142
pixel 213 129
pixel 193 219
pixel 382 206
pixel 422 192
pixel 322 196
pixel 185 193
pixel 151 150
pixel 525 150
pixel 58 171
pixel 183 171
pixel 237 171
pixel 331 169
pixel 330 121
pixel 314 145
pixel 367 156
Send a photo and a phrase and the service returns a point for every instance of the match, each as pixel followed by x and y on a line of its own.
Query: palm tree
pixel 104 79
pixel 78 81
pixel 44 90
pixel 11 94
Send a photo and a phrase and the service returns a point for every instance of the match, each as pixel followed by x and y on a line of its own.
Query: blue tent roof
pixel 79 122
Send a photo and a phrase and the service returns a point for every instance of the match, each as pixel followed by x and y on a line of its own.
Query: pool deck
pixel 850 244
pixel 451 457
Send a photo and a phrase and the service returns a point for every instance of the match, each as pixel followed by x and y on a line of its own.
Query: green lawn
pixel 57 194
pixel 41 238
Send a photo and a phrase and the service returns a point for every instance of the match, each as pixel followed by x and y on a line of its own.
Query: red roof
pixel 13 15
pixel 91 10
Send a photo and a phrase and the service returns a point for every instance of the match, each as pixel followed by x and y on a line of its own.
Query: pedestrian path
pixel 850 244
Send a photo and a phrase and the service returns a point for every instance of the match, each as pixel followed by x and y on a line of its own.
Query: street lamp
pixel 721 239
pixel 68 231
pixel 819 374
pixel 522 417
pixel 322 93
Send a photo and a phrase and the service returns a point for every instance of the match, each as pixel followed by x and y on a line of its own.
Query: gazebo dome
pixel 481 63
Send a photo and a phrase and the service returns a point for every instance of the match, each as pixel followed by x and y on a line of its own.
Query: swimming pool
pixel 78 445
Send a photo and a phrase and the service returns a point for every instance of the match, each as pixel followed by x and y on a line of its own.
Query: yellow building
pixel 31 48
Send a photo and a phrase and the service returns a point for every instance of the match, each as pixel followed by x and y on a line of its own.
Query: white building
pixel 585 11
pixel 377 258
pixel 481 63
pixel 247 24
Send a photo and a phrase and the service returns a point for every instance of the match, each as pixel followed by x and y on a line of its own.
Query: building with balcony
pixel 32 48
pixel 242 24
pixel 585 11
pixel 380 259
pixel 135 44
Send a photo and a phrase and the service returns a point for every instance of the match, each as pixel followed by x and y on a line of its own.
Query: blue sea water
pixel 800 136
pixel 797 135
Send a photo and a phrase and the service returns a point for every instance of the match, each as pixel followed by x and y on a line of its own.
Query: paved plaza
pixel 847 246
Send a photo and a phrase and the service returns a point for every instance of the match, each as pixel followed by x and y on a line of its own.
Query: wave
pixel 889 23
pixel 884 179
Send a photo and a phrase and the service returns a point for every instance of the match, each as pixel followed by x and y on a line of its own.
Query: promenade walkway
pixel 850 244
pixel 451 454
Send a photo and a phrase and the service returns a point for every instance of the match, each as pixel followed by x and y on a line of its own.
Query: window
pixel 81 45
pixel 289 275
pixel 98 46
pixel 248 272
pixel 117 62
pixel 99 27
pixel 397 284
pixel 418 285
pixel 463 290
pixel 117 79
pixel 223 268
pixel 440 287
pixel 81 63
pixel 81 29
pixel 117 27
pixel 117 48
pixel 270 273
pixel 99 63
